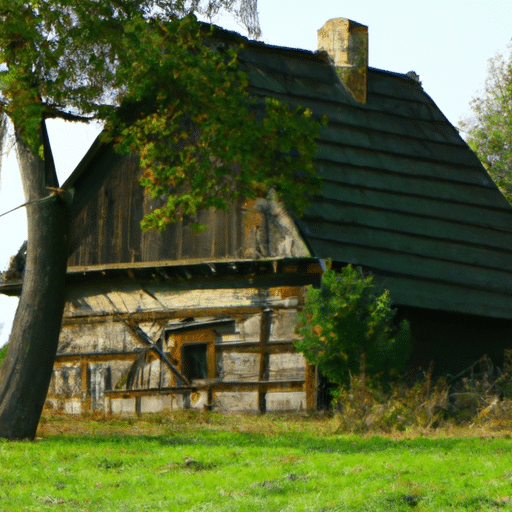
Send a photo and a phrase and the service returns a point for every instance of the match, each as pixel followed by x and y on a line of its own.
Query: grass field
pixel 207 462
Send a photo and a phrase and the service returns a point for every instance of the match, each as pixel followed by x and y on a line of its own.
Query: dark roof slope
pixel 403 194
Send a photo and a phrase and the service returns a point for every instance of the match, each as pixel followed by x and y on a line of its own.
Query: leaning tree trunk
pixel 27 368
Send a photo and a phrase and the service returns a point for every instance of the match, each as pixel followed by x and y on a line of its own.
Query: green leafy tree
pixel 192 152
pixel 346 326
pixel 489 130
pixel 166 88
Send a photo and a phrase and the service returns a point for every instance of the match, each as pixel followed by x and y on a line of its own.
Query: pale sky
pixel 446 42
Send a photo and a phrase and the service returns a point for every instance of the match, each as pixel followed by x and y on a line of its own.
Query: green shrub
pixel 3 351
pixel 346 327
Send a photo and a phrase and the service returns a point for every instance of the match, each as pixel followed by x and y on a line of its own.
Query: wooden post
pixel 266 323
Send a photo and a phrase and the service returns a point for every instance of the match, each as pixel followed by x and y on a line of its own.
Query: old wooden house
pixel 157 321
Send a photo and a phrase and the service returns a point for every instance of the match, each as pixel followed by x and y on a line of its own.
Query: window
pixel 194 361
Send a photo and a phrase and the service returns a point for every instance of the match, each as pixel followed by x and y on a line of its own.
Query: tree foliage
pixel 203 142
pixel 3 351
pixel 167 89
pixel 345 325
pixel 490 128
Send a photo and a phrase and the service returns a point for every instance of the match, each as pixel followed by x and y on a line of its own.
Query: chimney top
pixel 346 42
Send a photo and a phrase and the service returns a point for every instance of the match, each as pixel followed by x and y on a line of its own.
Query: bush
pixel 364 409
pixel 347 327
pixel 473 400
pixel 3 351
pixel 481 394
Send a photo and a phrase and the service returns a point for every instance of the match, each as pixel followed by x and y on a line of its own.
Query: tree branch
pixel 52 112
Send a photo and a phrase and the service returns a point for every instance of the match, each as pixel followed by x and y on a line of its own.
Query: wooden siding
pixel 251 364
pixel 108 227
pixel 107 231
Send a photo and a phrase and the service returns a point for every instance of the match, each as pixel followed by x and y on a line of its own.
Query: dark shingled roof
pixel 403 195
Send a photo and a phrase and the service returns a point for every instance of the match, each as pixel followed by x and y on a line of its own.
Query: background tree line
pixel 489 129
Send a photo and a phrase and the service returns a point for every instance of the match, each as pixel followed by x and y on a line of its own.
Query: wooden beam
pixel 266 323
pixel 278 385
pixel 144 338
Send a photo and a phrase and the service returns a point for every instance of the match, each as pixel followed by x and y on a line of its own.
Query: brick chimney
pixel 346 42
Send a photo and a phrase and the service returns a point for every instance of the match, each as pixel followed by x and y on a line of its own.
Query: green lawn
pixel 212 463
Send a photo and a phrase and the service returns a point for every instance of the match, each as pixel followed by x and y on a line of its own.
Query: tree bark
pixel 27 368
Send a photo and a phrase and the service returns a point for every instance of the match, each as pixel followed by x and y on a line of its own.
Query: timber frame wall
pixel 125 339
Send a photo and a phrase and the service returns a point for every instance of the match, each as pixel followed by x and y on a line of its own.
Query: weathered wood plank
pixel 412 109
pixel 93 338
pixel 382 142
pixel 144 338
pixel 340 154
pixel 422 225
pixel 371 120
pixel 469 214
pixel 359 117
pixel 131 299
pixel 297 64
pixel 439 188
pixel 391 261
pixel 438 296
pixel 440 248
pixel 396 85
pixel 426 276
